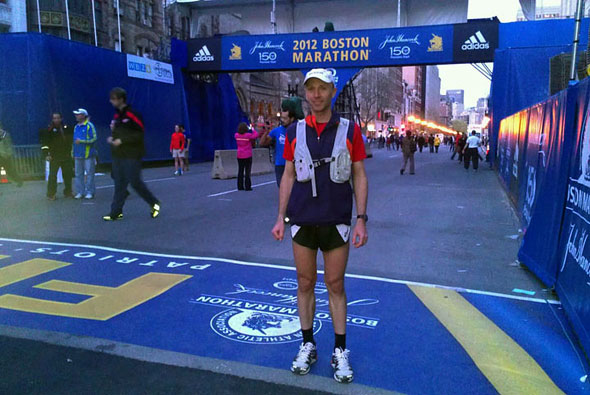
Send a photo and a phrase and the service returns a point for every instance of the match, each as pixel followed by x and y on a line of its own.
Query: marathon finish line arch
pixel 472 42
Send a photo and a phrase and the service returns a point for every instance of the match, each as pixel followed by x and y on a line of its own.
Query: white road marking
pixel 290 268
pixel 146 181
pixel 235 190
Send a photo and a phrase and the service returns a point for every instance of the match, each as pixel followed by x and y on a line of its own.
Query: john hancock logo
pixel 236 53
pixel 436 43
pixel 255 327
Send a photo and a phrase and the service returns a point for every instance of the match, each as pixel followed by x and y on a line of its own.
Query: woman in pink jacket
pixel 244 139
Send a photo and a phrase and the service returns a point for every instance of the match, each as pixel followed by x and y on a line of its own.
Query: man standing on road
pixel 84 154
pixel 471 151
pixel 290 112
pixel 127 150
pixel 322 152
pixel 408 150
pixel 56 144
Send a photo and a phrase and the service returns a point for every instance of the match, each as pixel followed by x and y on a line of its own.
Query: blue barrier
pixel 42 77
pixel 545 169
pixel 573 280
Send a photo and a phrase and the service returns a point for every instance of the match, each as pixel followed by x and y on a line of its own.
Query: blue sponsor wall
pixel 545 169
pixel 45 74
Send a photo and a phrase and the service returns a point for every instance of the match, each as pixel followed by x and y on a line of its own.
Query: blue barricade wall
pixel 44 74
pixel 544 164
pixel 573 279
pixel 521 65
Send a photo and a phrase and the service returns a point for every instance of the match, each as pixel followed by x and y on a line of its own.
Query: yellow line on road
pixel 509 368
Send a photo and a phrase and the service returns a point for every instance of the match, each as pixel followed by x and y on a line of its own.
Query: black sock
pixel 308 336
pixel 340 342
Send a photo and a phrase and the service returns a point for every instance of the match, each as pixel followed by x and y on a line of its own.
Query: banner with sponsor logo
pixel 543 184
pixel 341 49
pixel 573 279
pixel 149 69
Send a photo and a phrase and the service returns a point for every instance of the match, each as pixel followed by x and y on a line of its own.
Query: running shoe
pixel 341 365
pixel 155 210
pixel 78 196
pixel 113 217
pixel 306 357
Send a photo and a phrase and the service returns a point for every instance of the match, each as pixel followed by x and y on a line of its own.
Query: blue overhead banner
pixel 355 48
pixel 573 281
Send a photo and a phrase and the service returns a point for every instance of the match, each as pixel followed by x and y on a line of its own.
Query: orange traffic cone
pixel 3 179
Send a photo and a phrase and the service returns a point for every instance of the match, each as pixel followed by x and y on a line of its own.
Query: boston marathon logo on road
pixel 264 316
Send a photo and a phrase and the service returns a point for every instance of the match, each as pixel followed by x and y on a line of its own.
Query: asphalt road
pixel 443 226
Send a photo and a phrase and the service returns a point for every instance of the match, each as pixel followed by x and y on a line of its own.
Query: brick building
pixel 142 23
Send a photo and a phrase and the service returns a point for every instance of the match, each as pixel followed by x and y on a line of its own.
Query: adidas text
pixel 203 55
pixel 203 58
pixel 475 46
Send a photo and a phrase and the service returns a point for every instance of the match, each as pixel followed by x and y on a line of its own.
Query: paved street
pixel 443 227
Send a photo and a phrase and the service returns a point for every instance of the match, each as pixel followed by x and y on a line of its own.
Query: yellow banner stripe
pixel 508 367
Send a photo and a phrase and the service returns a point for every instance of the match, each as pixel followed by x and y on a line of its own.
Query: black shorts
pixel 325 238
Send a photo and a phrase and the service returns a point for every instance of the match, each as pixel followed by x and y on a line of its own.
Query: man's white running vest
pixel 340 161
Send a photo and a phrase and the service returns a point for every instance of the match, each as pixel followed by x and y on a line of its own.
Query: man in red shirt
pixel 177 149
pixel 318 206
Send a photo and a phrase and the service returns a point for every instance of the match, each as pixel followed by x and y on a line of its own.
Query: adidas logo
pixel 475 42
pixel 203 55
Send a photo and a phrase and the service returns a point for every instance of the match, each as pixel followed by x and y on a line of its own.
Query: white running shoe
pixel 78 196
pixel 341 365
pixel 88 196
pixel 306 357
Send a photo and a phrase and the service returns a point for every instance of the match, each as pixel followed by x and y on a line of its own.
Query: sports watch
pixel 363 216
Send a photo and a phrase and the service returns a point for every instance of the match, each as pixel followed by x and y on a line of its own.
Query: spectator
pixel 244 138
pixel 408 150
pixel 56 144
pixel 431 143
pixel 436 143
pixel 421 142
pixel 471 151
pixel 291 111
pixel 84 154
pixel 187 145
pixel 177 149
pixel 6 156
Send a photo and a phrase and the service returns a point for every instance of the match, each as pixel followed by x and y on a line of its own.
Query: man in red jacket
pixel 177 149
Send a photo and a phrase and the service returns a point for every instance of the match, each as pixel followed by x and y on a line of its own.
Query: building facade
pixel 432 94
pixel 142 23
pixel 13 16
pixel 414 79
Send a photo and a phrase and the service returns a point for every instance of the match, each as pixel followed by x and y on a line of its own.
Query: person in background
pixel 421 142
pixel 56 144
pixel 244 138
pixel 84 153
pixel 6 157
pixel 291 111
pixel 177 149
pixel 408 150
pixel 471 151
pixel 187 145
pixel 436 143
pixel 431 143
pixel 127 147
